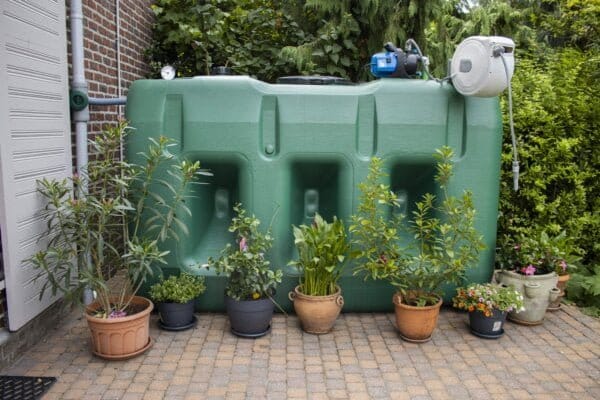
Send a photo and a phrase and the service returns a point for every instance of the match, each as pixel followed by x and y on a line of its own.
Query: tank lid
pixel 313 80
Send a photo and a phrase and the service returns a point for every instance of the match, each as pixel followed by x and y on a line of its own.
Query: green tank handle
pixel 78 100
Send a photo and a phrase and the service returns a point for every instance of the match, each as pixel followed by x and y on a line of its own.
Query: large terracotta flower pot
pixel 317 314
pixel 537 290
pixel 561 285
pixel 415 324
pixel 124 337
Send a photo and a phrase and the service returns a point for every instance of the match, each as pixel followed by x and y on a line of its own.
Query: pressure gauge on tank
pixel 167 72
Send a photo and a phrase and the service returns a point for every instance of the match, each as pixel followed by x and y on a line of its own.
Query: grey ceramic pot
pixel 249 318
pixel 176 315
pixel 487 327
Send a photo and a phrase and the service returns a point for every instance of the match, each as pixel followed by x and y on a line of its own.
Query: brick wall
pixel 100 43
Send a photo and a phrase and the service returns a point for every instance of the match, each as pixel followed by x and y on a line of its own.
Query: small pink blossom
pixel 117 314
pixel 517 247
pixel 243 245
pixel 563 265
pixel 529 270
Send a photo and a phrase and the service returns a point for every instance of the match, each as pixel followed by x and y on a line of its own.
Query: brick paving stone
pixel 362 358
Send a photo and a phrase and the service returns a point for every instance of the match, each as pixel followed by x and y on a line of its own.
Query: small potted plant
pixel 250 280
pixel 532 264
pixel 175 297
pixel 488 305
pixel 322 250
pixel 445 245
pixel 85 217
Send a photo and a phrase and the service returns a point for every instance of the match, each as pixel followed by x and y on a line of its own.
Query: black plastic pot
pixel 249 318
pixel 487 327
pixel 176 316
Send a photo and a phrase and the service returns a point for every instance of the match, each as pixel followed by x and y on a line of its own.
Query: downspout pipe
pixel 79 84
pixel 80 116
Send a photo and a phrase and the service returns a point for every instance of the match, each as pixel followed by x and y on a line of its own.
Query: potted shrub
pixel 488 305
pixel 322 249
pixel 84 232
pixel 532 264
pixel 175 297
pixel 250 280
pixel 445 245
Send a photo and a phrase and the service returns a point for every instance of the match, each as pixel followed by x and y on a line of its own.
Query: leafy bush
pixel 446 242
pixel 178 289
pixel 245 265
pixel 245 35
pixel 557 114
pixel 322 249
pixel 584 289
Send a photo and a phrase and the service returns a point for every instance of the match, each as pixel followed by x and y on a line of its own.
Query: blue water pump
pixel 395 63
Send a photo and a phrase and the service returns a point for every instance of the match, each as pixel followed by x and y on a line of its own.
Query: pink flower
pixel 243 245
pixel 529 270
pixel 117 314
pixel 517 247
pixel 563 265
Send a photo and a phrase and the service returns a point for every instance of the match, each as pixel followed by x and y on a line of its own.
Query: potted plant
pixel 85 229
pixel 445 245
pixel 175 297
pixel 250 280
pixel 322 249
pixel 488 305
pixel 532 264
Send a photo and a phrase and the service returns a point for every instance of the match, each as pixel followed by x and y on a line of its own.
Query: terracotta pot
pixel 561 285
pixel 121 338
pixel 317 314
pixel 416 324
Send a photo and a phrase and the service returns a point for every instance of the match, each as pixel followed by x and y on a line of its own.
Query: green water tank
pixel 299 149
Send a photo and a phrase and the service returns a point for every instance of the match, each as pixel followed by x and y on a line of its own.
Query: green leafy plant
pixel 487 298
pixel 178 288
pixel 80 252
pixel 584 289
pixel 322 251
pixel 445 244
pixel 541 253
pixel 245 265
pixel 375 233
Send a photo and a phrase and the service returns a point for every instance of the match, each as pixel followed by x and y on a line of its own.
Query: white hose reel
pixel 477 68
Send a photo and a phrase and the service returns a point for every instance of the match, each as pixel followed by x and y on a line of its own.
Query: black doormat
pixel 24 387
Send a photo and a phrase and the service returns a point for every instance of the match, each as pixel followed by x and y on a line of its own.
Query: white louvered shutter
pixel 35 138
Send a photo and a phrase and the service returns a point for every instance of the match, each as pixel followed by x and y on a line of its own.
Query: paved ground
pixel 362 358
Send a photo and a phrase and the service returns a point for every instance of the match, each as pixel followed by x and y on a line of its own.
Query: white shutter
pixel 35 138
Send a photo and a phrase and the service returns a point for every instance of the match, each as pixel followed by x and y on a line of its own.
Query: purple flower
pixel 117 314
pixel 563 265
pixel 243 245
pixel 529 270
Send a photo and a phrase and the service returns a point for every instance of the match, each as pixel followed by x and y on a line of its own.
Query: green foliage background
pixel 555 86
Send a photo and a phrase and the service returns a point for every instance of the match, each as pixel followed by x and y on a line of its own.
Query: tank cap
pixel 313 80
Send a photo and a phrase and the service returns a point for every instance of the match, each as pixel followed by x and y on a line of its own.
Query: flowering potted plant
pixel 85 228
pixel 175 297
pixel 533 264
pixel 251 282
pixel 488 305
pixel 445 245
pixel 322 249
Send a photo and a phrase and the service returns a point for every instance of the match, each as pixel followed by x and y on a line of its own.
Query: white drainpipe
pixel 79 83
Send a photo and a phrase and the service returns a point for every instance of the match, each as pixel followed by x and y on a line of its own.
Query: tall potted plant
pixel 84 226
pixel 250 280
pixel 322 251
pixel 175 297
pixel 445 245
pixel 532 263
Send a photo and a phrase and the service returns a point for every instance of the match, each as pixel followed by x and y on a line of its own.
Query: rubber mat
pixel 24 387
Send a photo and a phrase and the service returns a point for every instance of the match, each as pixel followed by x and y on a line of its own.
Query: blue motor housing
pixel 394 63
pixel 384 64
